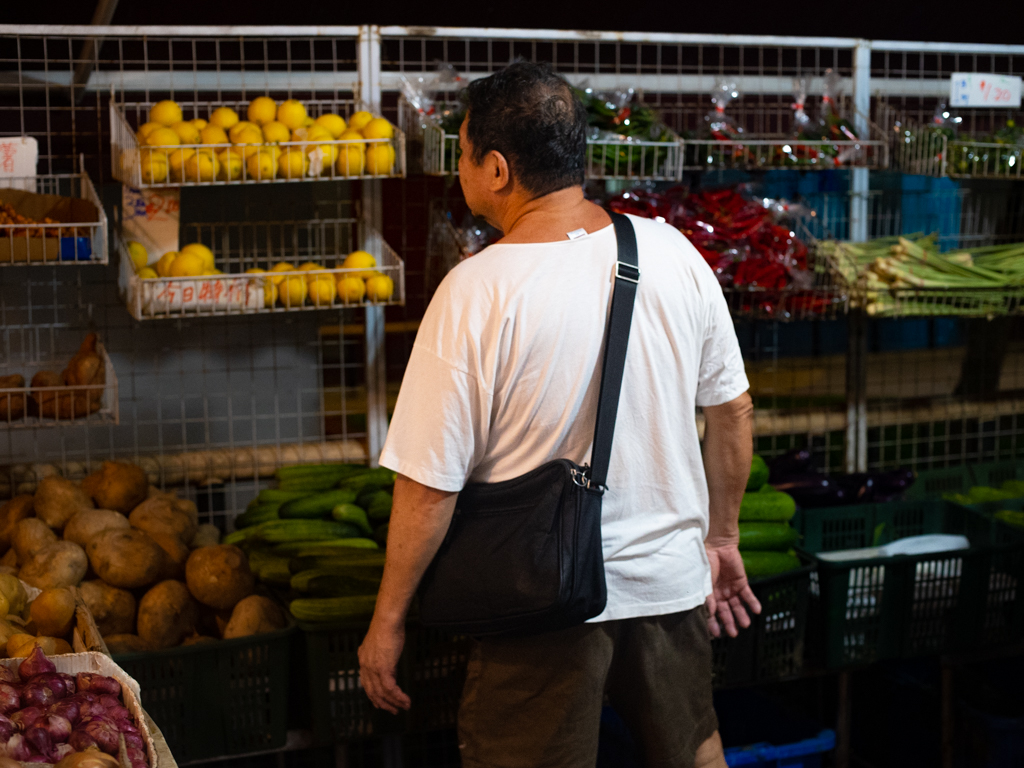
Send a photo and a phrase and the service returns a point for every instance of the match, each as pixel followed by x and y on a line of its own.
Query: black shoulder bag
pixel 524 556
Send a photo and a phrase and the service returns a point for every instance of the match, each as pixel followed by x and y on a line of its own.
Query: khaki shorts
pixel 536 701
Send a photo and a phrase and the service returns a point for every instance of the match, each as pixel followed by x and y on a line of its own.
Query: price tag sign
pixel 973 89
pixel 18 157
pixel 151 217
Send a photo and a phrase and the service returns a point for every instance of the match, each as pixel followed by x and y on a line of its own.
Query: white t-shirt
pixel 504 376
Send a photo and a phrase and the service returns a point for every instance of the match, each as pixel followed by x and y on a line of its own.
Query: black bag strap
pixel 627 276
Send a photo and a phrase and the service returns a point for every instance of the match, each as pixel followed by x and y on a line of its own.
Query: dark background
pixel 998 21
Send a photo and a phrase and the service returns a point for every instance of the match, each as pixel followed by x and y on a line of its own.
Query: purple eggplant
pixel 795 462
pixel 811 490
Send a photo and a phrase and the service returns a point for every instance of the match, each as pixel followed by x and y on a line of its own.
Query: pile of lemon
pixel 227 148
pixel 320 288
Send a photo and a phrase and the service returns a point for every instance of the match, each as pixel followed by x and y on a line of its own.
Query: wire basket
pixel 924 151
pixel 75 242
pixel 149 167
pixel 240 246
pixel 632 160
pixel 29 407
pixel 826 298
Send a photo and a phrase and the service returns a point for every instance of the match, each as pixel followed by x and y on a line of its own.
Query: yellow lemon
pixel 309 266
pixel 351 159
pixel 147 128
pixel 165 112
pixel 308 122
pixel 262 165
pixel 176 162
pixel 380 159
pixel 360 260
pixel 163 137
pixel 224 117
pixel 138 254
pixel 187 265
pixel 187 132
pixel 269 294
pixel 231 162
pixel 292 164
pixel 378 128
pixel 299 134
pixel 251 134
pixel 238 127
pixel 321 290
pixel 255 271
pixel 199 123
pixel 359 120
pixel 353 135
pixel 147 273
pixel 153 166
pixel 275 131
pixel 379 288
pixel 202 166
pixel 351 289
pixel 292 113
pixel 318 133
pixel 163 267
pixel 293 291
pixel 213 134
pixel 202 252
pixel 261 110
pixel 282 266
pixel 335 124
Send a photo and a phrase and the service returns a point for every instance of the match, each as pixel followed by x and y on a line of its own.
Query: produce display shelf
pixel 431 671
pixel 129 159
pixel 902 606
pixel 826 298
pixel 79 242
pixel 772 648
pixel 239 246
pixel 222 698
pixel 932 153
pixel 63 405
pixel 770 153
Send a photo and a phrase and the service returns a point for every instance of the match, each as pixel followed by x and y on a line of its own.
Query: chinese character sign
pixel 151 217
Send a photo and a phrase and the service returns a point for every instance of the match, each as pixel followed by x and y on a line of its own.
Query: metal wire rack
pixel 926 151
pixel 212 165
pixel 240 247
pixel 80 237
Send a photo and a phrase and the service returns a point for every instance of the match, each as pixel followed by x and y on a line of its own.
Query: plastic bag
pixel 801 120
pixel 722 126
pixel 834 126
pixel 425 93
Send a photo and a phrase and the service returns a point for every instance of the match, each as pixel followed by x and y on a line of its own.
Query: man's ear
pixel 498 173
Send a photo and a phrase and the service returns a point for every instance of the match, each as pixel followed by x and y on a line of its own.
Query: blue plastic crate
pixel 805 754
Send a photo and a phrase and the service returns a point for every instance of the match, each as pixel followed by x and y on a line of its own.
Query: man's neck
pixel 548 218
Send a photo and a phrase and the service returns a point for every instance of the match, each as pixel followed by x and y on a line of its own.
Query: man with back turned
pixel 504 377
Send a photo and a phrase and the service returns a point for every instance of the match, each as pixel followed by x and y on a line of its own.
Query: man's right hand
pixel 730 591
pixel 378 663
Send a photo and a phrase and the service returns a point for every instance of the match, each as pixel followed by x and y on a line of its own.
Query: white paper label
pixel 973 89
pixel 151 217
pixel 18 157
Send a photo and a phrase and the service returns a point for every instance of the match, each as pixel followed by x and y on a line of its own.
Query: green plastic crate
pixel 994 475
pixel 935 483
pixel 214 699
pixel 432 671
pixel 911 605
pixel 772 647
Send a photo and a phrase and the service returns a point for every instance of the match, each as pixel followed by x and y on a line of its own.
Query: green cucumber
pixel 280 531
pixel 277 496
pixel 317 505
pixel 758 473
pixel 759 564
pixel 761 536
pixel 349 547
pixel 326 610
pixel 350 513
pixel 328 583
pixel 257 515
pixel 336 561
pixel 379 508
pixel 767 507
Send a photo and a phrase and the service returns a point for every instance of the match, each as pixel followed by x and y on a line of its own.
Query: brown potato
pixel 58 500
pixel 12 404
pixel 207 535
pixel 167 614
pixel 126 558
pixel 161 516
pixel 126 643
pixel 177 555
pixel 112 608
pixel 61 564
pixel 53 612
pixel 219 576
pixel 118 485
pixel 12 513
pixel 255 615
pixel 30 536
pixel 87 523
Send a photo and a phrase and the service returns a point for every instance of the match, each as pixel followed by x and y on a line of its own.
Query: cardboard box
pixel 70 246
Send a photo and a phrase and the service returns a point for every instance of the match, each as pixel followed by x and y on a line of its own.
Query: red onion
pixel 61 751
pixel 38 759
pixel 81 740
pixel 69 682
pixel 26 718
pixel 134 740
pixel 119 714
pixel 7 728
pixel 103 732
pixel 39 737
pixel 137 757
pixel 67 709
pixel 90 681
pixel 86 696
pixel 8 675
pixel 37 695
pixel 127 726
pixel 35 664
pixel 10 698
pixel 18 748
pixel 55 681
pixel 59 727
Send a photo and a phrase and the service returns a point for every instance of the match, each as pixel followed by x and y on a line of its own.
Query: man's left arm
pixel 420 517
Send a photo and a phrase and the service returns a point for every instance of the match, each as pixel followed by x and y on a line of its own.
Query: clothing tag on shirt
pixel 576 234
